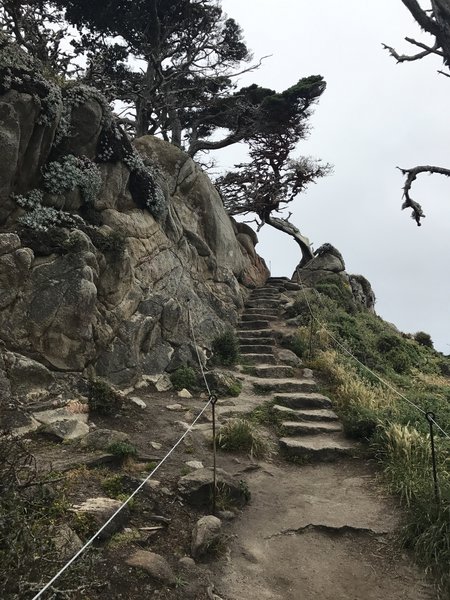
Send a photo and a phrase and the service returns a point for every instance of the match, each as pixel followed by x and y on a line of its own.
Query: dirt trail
pixel 320 531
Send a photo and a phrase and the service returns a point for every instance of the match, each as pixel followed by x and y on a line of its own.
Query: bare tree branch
pixel 411 57
pixel 411 176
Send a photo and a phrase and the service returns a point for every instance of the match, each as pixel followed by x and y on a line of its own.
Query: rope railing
pixel 429 416
pixel 212 399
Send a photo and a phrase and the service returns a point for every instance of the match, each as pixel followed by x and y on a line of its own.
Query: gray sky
pixel 373 116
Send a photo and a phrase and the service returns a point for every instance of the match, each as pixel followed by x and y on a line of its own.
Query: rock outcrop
pixel 104 249
pixel 328 267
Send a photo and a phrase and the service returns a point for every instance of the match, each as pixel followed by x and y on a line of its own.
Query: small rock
pixel 288 357
pixel 156 445
pixel 66 429
pixel 226 402
pixel 308 374
pixel 187 561
pixel 138 402
pixel 224 384
pixel 174 407
pixel 205 535
pixel 182 425
pixel 184 393
pixel 166 491
pixel 100 510
pixel 59 414
pixel 163 384
pixel 141 384
pixel 102 439
pixel 194 464
pixel 154 564
pixel 151 486
pixel 66 541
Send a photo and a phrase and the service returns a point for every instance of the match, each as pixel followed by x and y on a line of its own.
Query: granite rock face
pixel 328 267
pixel 108 292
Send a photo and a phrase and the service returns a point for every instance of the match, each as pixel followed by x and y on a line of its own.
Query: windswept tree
pixel 38 28
pixel 272 178
pixel 171 61
pixel 435 22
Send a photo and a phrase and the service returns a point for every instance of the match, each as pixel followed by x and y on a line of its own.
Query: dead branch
pixel 411 57
pixel 411 176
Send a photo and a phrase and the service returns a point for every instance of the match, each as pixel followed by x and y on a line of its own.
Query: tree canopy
pixel 436 23
pixel 273 178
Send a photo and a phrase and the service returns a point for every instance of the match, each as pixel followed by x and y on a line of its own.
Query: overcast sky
pixel 373 116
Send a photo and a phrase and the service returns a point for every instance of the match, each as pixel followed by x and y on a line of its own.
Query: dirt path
pixel 317 532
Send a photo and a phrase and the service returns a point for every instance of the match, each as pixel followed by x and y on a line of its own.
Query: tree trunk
pixel 143 101
pixel 175 126
pixel 441 9
pixel 287 227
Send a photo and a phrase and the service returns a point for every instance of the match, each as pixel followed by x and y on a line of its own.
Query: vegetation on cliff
pixel 397 433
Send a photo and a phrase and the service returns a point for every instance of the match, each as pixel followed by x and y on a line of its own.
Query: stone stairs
pixel 309 427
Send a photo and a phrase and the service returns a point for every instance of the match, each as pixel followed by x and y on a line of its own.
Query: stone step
pixel 266 290
pixel 259 359
pixel 258 316
pixel 290 285
pixel 275 372
pixel 309 427
pixel 278 386
pixel 256 341
pixel 272 279
pixel 318 447
pixel 300 400
pixel 256 348
pixel 265 296
pixel 255 334
pixel 254 325
pixel 318 414
pixel 259 311
pixel 263 303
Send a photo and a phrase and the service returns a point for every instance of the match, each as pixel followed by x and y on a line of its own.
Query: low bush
pixel 424 339
pixel 184 378
pixel 226 349
pixel 102 398
pixel 122 450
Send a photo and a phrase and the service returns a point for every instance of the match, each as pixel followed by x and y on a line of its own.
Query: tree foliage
pixel 186 52
pixel 435 23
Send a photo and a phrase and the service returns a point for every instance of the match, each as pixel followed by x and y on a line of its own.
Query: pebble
pixel 174 407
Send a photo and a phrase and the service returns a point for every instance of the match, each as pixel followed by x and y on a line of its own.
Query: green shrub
pixel 122 450
pixel 113 486
pixel 235 389
pixel 102 398
pixel 184 378
pixel 226 349
pixel 424 339
pixel 360 422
